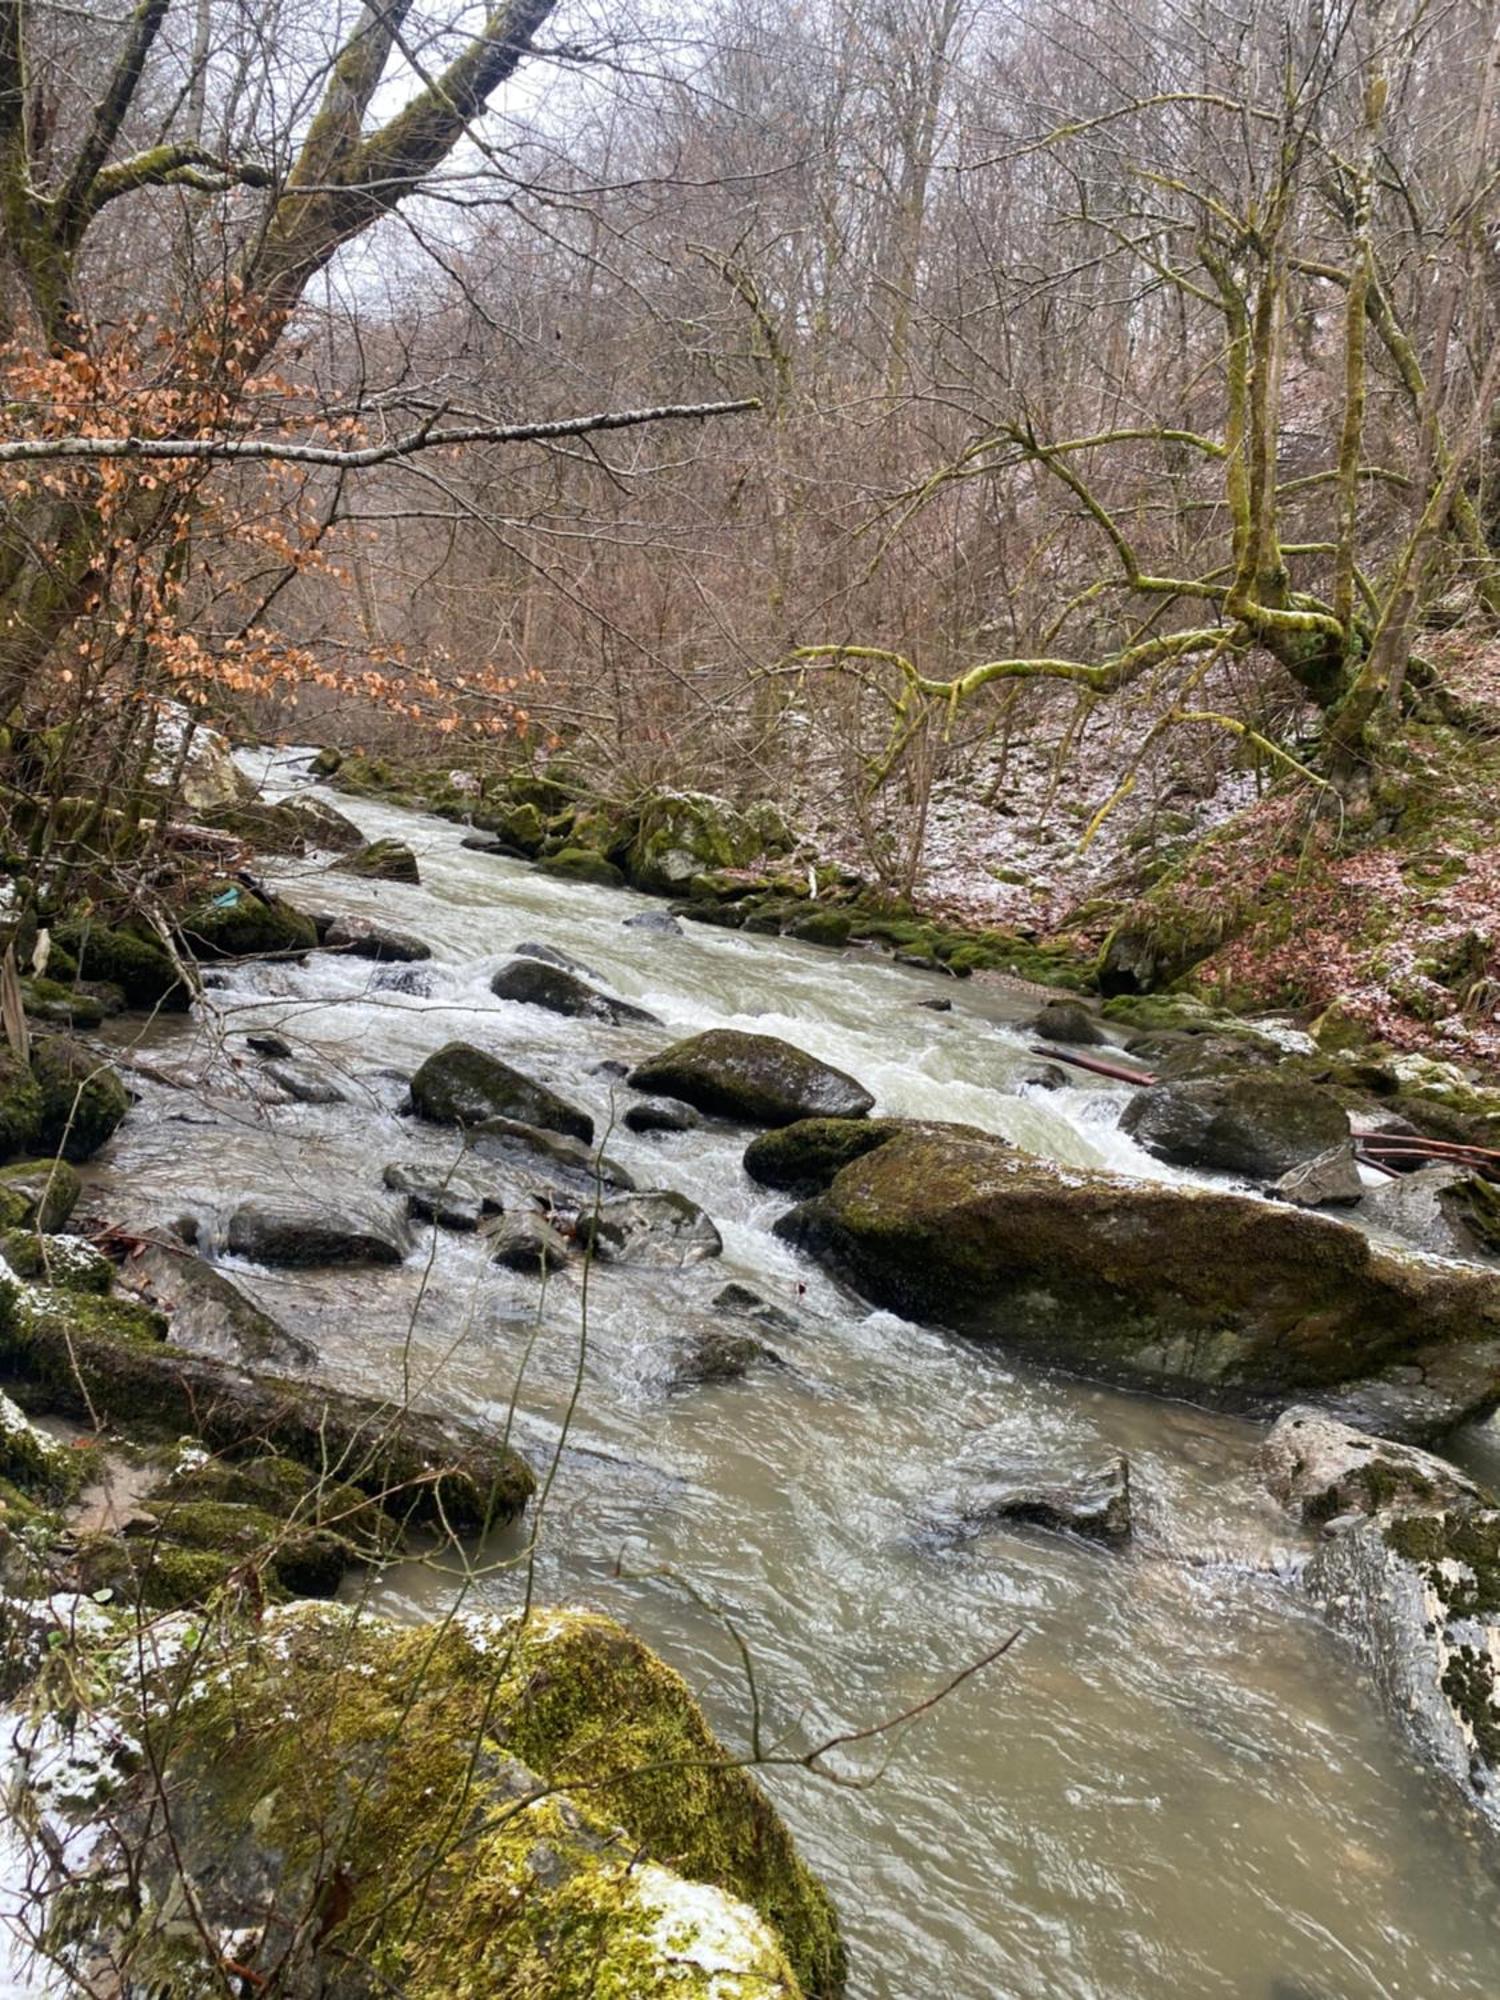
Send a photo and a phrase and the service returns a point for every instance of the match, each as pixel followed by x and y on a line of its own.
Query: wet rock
pixel 614 1069
pixel 534 983
pixel 233 921
pixel 140 966
pixel 1221 1297
pixel 714 1899
pixel 1409 1569
pixel 324 827
pixel 1072 1022
pixel 267 1231
pixel 1329 1180
pixel 433 1194
pixel 462 1085
pixel 275 1046
pixel 661 1114
pixel 1443 1209
pixel 548 954
pixel 38 1194
pixel 382 861
pixel 1043 1076
pixel 526 1241
pixel 1032 1493
pixel 530 1150
pixel 742 1299
pixel 717 1354
pixel 753 1079
pixel 108 1360
pixel 661 921
pixel 1257 1125
pixel 488 843
pixel 937 1006
pixel 1323 1469
pixel 583 864
pixel 409 979
pixel 359 937
pixel 207 1310
pixel 303 1083
pixel 82 1098
pixel 658 1227
pixel 804 1158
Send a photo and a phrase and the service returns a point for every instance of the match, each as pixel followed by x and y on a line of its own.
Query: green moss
pixel 38 1194
pixel 1469 1683
pixel 68 1263
pixel 67 1007
pixel 136 964
pixel 822 926
pixel 584 864
pixel 21 1110
pixel 83 1100
pixel 32 1462
pixel 1459 1556
pixel 803 1158
pixel 231 921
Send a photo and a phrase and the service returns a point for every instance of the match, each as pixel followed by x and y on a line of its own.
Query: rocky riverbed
pixel 797 1298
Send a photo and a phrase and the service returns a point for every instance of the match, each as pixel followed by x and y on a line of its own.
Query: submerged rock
pixel 287 1232
pixel 526 1241
pixel 1258 1125
pixel 742 1299
pixel 545 1787
pixel 534 983
pixel 661 921
pixel 661 1114
pixel 382 861
pixel 462 1085
pixel 713 1354
pixel 526 1149
pixel 1218 1296
pixel 436 1194
pixel 658 1227
pixel 359 937
pixel 753 1079
pixel 1032 1493
pixel 1409 1569
pixel 304 1083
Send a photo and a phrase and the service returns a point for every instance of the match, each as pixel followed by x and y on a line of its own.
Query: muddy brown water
pixel 1176 1782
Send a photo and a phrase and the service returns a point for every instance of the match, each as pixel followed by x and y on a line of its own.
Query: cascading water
pixel 1176 1781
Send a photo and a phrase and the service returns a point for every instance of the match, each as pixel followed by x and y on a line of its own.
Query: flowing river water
pixel 1176 1782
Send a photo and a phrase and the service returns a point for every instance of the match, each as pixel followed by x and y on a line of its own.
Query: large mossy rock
pixel 1259 1125
pixel 21 1111
pixel 231 921
pixel 584 864
pixel 532 1808
pixel 754 1079
pixel 462 1085
pixel 1220 1297
pixel 38 1194
pixel 1409 1569
pixel 804 1158
pixel 535 983
pixel 684 834
pixel 382 861
pixel 83 1100
pixel 108 1360
pixel 138 965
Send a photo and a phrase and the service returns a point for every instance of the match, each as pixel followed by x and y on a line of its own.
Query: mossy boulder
pixel 462 1085
pixel 824 925
pixel 583 864
pixel 83 1099
pixel 58 1005
pixel 38 1194
pixel 232 921
pixel 67 1263
pixel 531 1808
pixel 109 1359
pixel 1259 1125
pixel 31 1461
pixel 324 827
pixel 382 861
pixel 327 761
pixel 1409 1568
pixel 753 1079
pixel 803 1158
pixel 21 1105
pixel 1220 1297
pixel 139 965
pixel 683 834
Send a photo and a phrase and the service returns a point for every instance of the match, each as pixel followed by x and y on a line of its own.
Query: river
pixel 1176 1782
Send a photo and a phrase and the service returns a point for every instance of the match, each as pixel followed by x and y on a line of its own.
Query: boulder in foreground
pixel 1226 1299
pixel 754 1079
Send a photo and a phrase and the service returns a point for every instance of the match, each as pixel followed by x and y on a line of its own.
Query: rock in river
pixel 1219 1296
pixel 658 1227
pixel 462 1085
pixel 294 1233
pixel 1258 1125
pixel 1032 1493
pixel 753 1079
pixel 1409 1569
pixel 358 937
pixel 535 983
